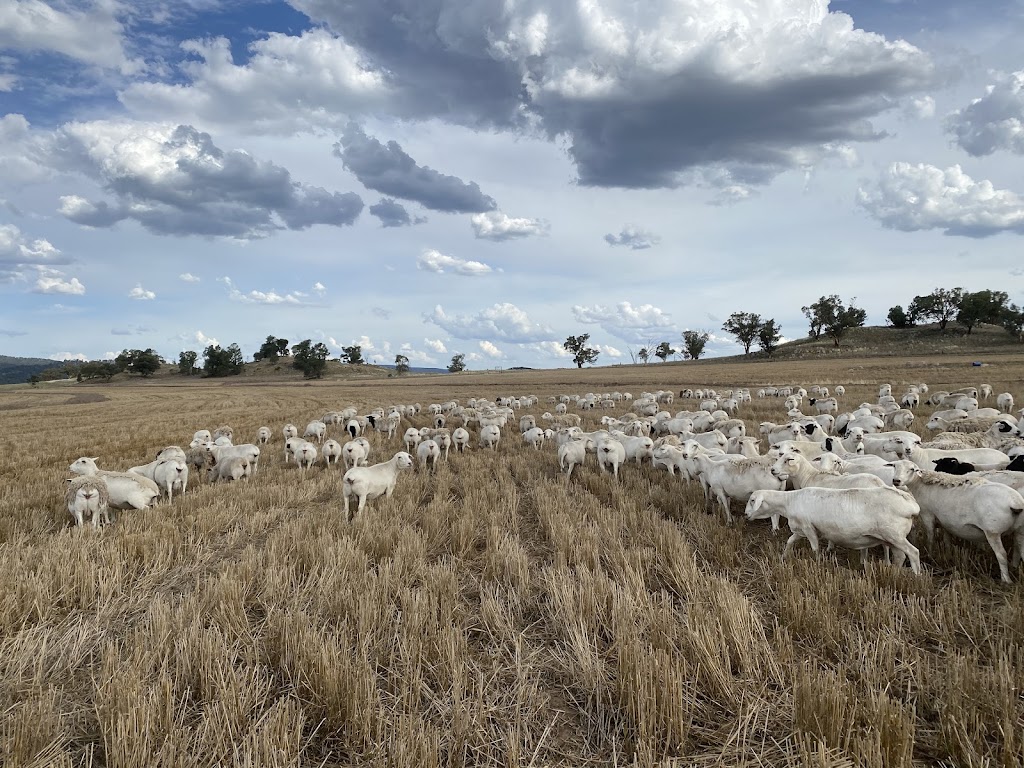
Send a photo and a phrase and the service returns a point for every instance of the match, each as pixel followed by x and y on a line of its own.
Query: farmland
pixel 489 615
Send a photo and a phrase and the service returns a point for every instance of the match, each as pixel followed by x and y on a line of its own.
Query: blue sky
pixel 428 177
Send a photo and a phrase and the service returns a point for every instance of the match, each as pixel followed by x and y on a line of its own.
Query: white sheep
pixel 87 496
pixel 305 455
pixel 231 468
pixel 331 450
pixel 248 450
pixel 1004 402
pixel 428 452
pixel 126 489
pixel 802 473
pixel 202 436
pixel 534 437
pixel 981 458
pixel 735 477
pixel 170 476
pixel 854 518
pixel 490 436
pixel 610 452
pixel 263 435
pixel 356 452
pixel 411 438
pixel 316 429
pixel 227 432
pixel 370 482
pixel 460 438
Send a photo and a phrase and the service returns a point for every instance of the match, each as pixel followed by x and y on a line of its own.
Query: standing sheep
pixel 263 435
pixel 88 496
pixel 331 450
pixel 490 436
pixel 428 452
pixel 460 438
pixel 371 482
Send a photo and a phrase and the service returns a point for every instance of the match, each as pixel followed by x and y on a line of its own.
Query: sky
pixel 488 177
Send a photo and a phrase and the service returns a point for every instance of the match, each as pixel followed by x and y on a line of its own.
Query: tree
pixel 834 318
pixel 744 326
pixel 644 354
pixel 664 351
pixel 219 361
pixel 981 307
pixel 144 362
pixel 272 349
pixel 401 364
pixel 187 363
pixel 457 364
pixel 941 305
pixel 898 318
pixel 694 343
pixel 769 334
pixel 812 313
pixel 581 353
pixel 310 358
pixel 34 379
pixel 352 355
pixel 1013 321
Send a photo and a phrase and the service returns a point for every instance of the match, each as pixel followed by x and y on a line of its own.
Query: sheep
pixel 371 482
pixel 315 429
pixel 87 495
pixel 899 419
pixel 199 459
pixel 354 428
pixel 202 436
pixel 743 446
pixel 171 475
pixel 534 437
pixel 443 438
pixel 460 438
pixel 610 452
pixel 305 455
pixel 428 452
pixel 331 449
pixel 854 464
pixel 526 423
pixel 227 432
pixel 982 458
pixel 1004 402
pixel 126 490
pixel 638 448
pixel 970 508
pixel 854 518
pixel 411 438
pixel 263 435
pixel 986 391
pixel 248 450
pixel 231 468
pixel 355 452
pixel 490 435
pixel 798 470
pixel 825 405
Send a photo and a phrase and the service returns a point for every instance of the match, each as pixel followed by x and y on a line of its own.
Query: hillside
pixel 15 370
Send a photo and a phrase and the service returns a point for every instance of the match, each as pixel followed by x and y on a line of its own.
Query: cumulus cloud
pixel 319 288
pixel 633 237
pixel 551 349
pixel 141 294
pixel 92 35
pixel 17 252
pixel 612 352
pixel 173 180
pixel 54 282
pixel 188 277
pixel 490 350
pixel 921 107
pixel 62 356
pixel 916 197
pixel 435 261
pixel 436 345
pixel 504 322
pixel 269 298
pixel 372 352
pixel 994 121
pixel 202 338
pixel 392 214
pixel 636 325
pixel 774 83
pixel 495 225
pixel 390 170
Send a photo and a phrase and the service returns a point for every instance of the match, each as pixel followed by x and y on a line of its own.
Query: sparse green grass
pixel 489 615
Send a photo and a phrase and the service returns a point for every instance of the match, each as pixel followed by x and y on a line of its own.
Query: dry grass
pixel 485 616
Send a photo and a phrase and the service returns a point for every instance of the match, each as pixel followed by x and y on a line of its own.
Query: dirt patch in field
pixel 86 397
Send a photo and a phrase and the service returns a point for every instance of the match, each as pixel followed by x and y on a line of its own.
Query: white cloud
pixel 205 340
pixel 916 197
pixel 269 298
pixel 17 252
pixel 552 349
pixel 633 237
pixel 491 350
pixel 53 283
pixel 921 107
pixel 495 225
pixel 435 261
pixel 62 356
pixel 319 288
pixel 436 345
pixel 141 294
pixel 374 353
pixel 188 277
pixel 994 121
pixel 612 352
pixel 636 325
pixel 504 322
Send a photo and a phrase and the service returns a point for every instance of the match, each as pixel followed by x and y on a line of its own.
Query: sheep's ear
pixel 756 501
pixel 93 458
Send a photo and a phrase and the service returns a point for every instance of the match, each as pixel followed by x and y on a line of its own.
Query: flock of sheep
pixel 855 479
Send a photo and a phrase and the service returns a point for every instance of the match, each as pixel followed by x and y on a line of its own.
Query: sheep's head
pixel 403 460
pixel 84 466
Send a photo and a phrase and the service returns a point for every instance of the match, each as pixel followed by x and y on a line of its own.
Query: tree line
pixel 967 309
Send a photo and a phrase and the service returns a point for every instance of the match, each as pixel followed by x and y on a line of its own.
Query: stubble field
pixel 488 615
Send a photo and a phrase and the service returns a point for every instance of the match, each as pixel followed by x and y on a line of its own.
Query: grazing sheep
pixel 443 438
pixel 610 452
pixel 199 459
pixel 428 452
pixel 534 437
pixel 227 432
pixel 354 428
pixel 370 482
pixel 305 455
pixel 263 435
pixel 490 436
pixel 1004 402
pixel 127 490
pixel 411 439
pixel 316 429
pixel 460 438
pixel 290 431
pixel 87 496
pixel 231 468
pixel 248 450
pixel 171 475
pixel 331 450
pixel 355 452
pixel 202 436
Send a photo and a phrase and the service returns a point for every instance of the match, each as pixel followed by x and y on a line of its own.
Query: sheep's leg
pixel 904 549
pixel 789 544
pixel 812 538
pixel 928 523
pixel 995 541
pixel 776 522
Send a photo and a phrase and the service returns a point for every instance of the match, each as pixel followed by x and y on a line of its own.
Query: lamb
pixel 355 452
pixel 610 452
pixel 460 438
pixel 982 458
pixel 970 508
pixel 126 490
pixel 315 429
pixel 331 449
pixel 490 435
pixel 1004 402
pixel 263 435
pixel 231 468
pixel 986 391
pixel 428 452
pixel 854 518
pixel 534 437
pixel 171 475
pixel 371 482
pixel 87 495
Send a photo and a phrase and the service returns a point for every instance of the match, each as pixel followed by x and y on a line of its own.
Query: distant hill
pixel 15 370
